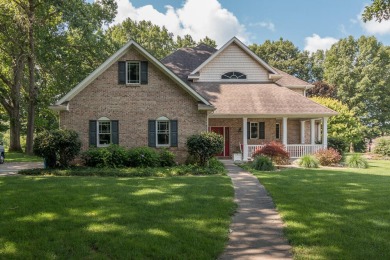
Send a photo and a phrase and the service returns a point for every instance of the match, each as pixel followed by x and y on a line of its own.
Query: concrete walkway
pixel 257 226
pixel 11 169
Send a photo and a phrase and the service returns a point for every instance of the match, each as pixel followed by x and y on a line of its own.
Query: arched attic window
pixel 233 75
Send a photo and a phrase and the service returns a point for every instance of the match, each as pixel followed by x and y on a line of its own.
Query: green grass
pixel 114 218
pixel 21 157
pixel 334 213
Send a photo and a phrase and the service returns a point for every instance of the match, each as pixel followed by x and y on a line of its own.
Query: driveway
pixel 11 169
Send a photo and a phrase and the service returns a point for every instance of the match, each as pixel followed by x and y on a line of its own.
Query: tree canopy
pixel 379 10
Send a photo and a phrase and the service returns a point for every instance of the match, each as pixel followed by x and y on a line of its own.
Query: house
pixel 133 100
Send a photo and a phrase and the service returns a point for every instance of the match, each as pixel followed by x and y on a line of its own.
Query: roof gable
pixel 114 58
pixel 243 47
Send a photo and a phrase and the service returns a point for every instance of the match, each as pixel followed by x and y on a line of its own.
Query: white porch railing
pixel 295 150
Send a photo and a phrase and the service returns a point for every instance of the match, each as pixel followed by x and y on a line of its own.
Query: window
pixel 277 135
pixel 162 131
pixel 262 130
pixel 133 72
pixel 233 75
pixel 253 131
pixel 104 133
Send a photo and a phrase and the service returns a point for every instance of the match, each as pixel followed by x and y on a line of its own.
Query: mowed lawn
pixel 114 218
pixel 334 213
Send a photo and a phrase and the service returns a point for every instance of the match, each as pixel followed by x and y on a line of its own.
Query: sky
pixel 309 24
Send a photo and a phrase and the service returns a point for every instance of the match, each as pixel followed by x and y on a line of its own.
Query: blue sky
pixel 309 24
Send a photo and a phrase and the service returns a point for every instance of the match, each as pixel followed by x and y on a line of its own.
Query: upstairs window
pixel 233 75
pixel 133 70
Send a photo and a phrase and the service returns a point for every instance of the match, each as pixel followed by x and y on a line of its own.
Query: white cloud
pixel 315 42
pixel 373 27
pixel 268 25
pixel 199 18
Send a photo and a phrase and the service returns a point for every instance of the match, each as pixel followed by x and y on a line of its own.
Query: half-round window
pixel 233 75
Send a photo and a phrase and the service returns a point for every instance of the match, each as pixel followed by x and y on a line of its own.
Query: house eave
pixel 61 107
pixel 294 116
pixel 203 107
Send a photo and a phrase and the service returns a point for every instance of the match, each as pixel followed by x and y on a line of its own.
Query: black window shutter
pixel 248 130
pixel 152 133
pixel 174 136
pixel 261 130
pixel 121 72
pixel 115 131
pixel 92 133
pixel 144 72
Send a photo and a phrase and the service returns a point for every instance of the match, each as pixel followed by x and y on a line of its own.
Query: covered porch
pixel 300 136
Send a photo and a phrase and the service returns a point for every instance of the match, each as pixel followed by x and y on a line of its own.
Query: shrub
pixel 57 147
pixel 143 157
pixel 337 143
pixel 275 151
pixel 328 157
pixel 167 158
pixel 216 165
pixel 112 156
pixel 356 161
pixel 263 163
pixel 382 146
pixel 204 146
pixel 308 161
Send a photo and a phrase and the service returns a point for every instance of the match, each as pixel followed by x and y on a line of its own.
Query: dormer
pixel 234 62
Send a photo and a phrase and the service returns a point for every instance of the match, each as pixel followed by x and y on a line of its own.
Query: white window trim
pixel 250 130
pixel 169 132
pixel 98 132
pixel 276 133
pixel 127 72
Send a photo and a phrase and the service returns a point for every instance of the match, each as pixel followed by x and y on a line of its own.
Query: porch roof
pixel 263 99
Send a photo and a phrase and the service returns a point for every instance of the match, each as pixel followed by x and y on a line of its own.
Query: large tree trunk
pixel 15 131
pixel 31 81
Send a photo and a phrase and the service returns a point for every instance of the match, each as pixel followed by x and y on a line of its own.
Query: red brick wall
pixel 133 106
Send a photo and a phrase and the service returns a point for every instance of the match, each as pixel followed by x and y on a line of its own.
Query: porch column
pixel 325 132
pixel 319 132
pixel 302 132
pixel 244 140
pixel 312 132
pixel 284 139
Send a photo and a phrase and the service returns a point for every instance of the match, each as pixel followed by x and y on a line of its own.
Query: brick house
pixel 133 99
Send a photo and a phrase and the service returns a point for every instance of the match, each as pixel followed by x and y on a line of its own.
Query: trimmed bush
pixel 263 163
pixel 356 161
pixel 382 146
pixel 204 146
pixel 337 143
pixel 58 147
pixel 328 157
pixel 275 151
pixel 308 161
pixel 112 156
pixel 167 158
pixel 143 157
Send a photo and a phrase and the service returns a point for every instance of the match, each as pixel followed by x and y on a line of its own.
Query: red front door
pixel 224 131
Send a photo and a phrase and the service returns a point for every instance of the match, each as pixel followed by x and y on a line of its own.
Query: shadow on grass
pixel 78 217
pixel 334 214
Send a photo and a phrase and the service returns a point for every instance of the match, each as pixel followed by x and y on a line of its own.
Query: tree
pixel 322 89
pixel 359 70
pixel 378 10
pixel 206 40
pixel 33 27
pixel 345 125
pixel 186 41
pixel 284 55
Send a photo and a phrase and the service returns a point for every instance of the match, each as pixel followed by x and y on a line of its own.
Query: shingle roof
pixel 258 99
pixel 183 61
pixel 289 80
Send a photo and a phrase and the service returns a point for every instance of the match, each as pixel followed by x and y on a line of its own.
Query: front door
pixel 224 131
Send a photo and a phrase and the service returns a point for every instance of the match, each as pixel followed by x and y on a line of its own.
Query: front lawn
pixel 114 218
pixel 334 213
